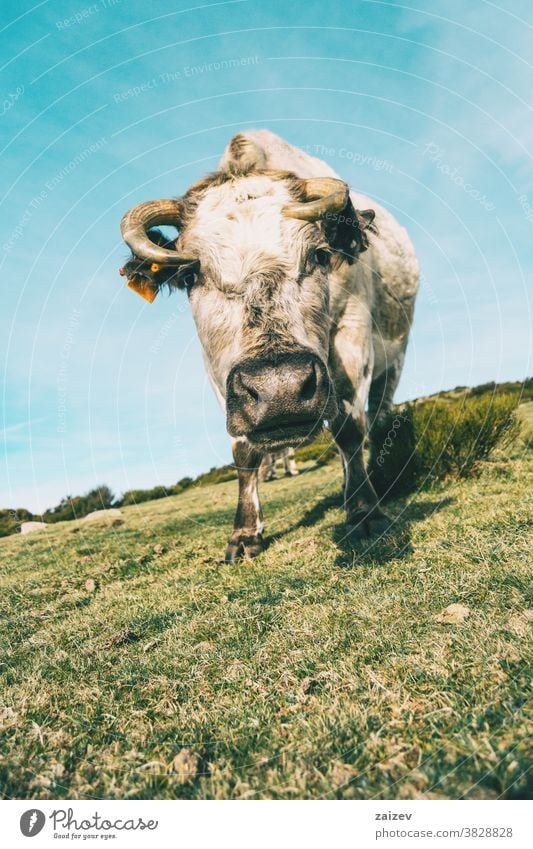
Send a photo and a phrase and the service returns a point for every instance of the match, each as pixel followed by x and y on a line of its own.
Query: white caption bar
pixel 272 825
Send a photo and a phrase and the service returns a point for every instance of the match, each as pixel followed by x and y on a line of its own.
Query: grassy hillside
pixel 134 664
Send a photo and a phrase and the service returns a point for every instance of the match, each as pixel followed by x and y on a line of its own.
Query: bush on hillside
pixel 76 506
pixel 454 440
pixel 11 520
pixel 137 496
pixel 216 475
pixel 524 389
pixel 181 485
pixel 441 439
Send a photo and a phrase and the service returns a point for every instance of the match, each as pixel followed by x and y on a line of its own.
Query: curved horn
pixel 325 194
pixel 140 218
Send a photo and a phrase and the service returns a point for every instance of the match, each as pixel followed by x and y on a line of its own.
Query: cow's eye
pixel 189 279
pixel 321 257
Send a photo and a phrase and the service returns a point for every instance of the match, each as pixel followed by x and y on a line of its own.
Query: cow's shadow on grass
pixel 394 545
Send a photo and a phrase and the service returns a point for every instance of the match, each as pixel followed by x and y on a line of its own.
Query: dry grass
pixel 135 665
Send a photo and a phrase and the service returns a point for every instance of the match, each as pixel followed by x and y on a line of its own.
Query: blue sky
pixel 426 107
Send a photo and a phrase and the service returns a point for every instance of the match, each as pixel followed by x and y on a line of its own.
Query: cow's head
pixel 254 252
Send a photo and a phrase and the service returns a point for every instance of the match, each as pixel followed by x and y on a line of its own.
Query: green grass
pixel 320 670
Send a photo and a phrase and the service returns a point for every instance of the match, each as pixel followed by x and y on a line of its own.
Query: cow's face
pixel 257 281
pixel 260 303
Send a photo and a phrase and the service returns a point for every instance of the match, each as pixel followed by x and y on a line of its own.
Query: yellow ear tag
pixel 144 290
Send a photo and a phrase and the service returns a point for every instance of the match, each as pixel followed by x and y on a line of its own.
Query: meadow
pixel 135 664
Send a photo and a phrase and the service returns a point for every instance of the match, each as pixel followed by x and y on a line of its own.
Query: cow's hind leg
pixel 270 463
pixel 364 517
pixel 289 463
pixel 246 539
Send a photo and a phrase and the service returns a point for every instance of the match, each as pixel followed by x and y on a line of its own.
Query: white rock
pixel 102 514
pixel 31 527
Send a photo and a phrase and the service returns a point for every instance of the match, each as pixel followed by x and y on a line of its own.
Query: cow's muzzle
pixel 279 401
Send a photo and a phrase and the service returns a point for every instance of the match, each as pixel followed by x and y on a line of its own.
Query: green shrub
pixel 216 475
pixel 11 520
pixel 525 416
pixel 181 485
pixel 137 496
pixel 438 439
pixel 76 506
pixel 523 389
pixel 452 439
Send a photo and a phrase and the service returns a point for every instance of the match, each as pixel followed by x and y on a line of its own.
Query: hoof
pixel 366 525
pixel 243 546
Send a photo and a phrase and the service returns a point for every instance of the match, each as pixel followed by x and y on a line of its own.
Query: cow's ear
pixel 146 277
pixel 243 155
pixel 366 218
pixel 347 231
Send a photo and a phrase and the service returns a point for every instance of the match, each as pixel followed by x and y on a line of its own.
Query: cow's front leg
pixel 363 514
pixel 246 539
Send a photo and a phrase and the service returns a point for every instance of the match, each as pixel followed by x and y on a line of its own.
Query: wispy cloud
pixel 15 431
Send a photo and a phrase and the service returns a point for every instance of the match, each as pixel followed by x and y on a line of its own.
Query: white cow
pixel 303 293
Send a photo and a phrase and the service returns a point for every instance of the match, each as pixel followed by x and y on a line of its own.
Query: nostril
pixel 248 388
pixel 309 386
